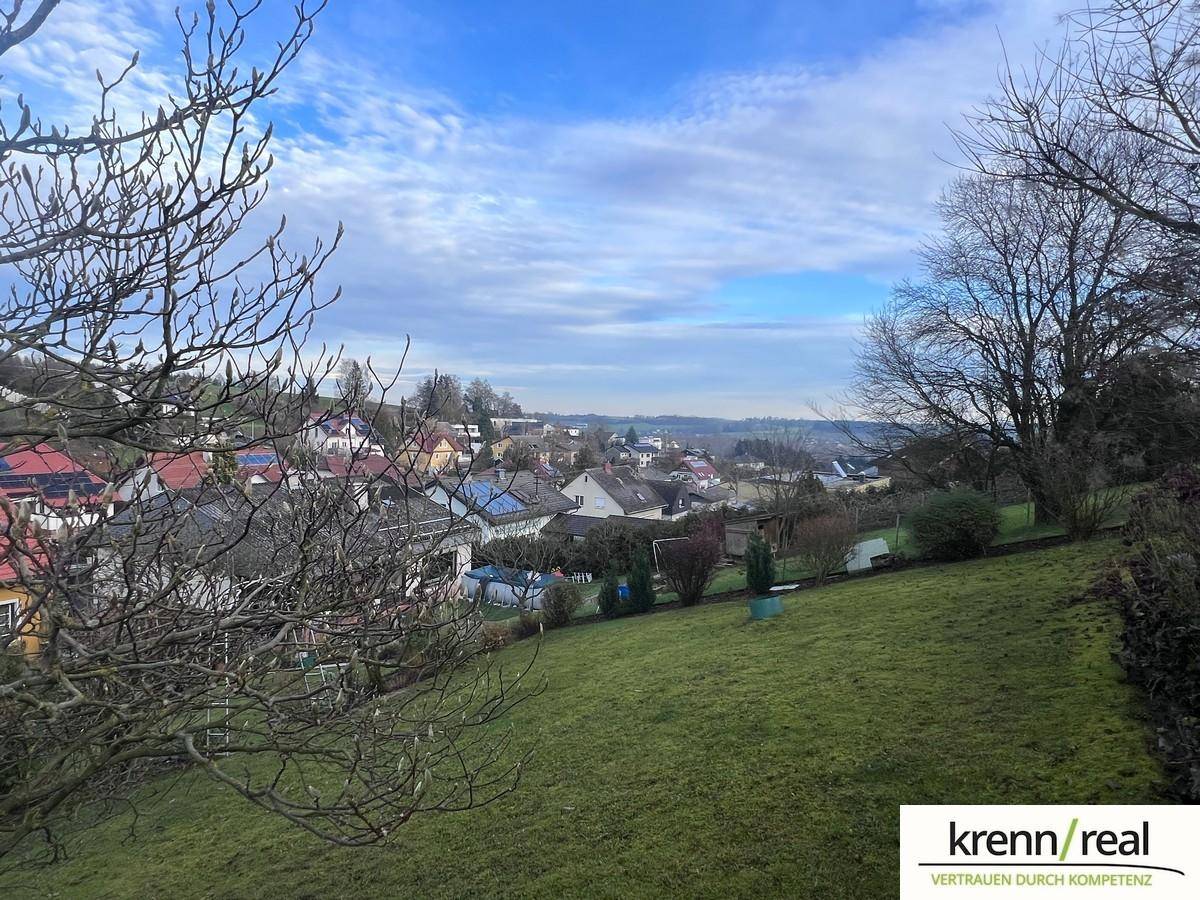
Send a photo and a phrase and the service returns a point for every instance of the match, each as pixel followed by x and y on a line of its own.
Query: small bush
pixel 609 600
pixel 641 583
pixel 494 636
pixel 823 542
pixel 526 625
pixel 760 566
pixel 957 524
pixel 559 603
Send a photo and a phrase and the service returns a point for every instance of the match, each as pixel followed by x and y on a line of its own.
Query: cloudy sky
pixel 677 206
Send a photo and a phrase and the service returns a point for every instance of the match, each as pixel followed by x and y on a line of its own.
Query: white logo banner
pixel 947 852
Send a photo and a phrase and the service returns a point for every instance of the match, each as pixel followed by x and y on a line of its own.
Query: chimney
pixel 607 467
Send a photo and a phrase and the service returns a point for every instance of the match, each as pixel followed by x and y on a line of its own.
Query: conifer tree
pixel 610 595
pixel 641 584
pixel 760 566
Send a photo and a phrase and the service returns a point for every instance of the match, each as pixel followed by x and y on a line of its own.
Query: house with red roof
pixel 46 477
pixel 434 451
pixel 21 562
pixel 183 471
pixel 697 471
pixel 56 491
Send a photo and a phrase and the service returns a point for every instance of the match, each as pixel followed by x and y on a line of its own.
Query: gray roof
pixel 259 533
pixel 711 494
pixel 676 494
pixel 535 496
pixel 628 489
pixel 579 526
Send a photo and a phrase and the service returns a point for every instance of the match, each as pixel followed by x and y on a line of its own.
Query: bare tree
pixel 354 384
pixel 1111 111
pixel 786 486
pixel 301 641
pixel 1030 294
pixel 823 542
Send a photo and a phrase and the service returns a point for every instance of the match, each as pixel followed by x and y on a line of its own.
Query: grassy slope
pixel 697 753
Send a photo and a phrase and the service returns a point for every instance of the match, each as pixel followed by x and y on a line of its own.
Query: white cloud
pixel 567 250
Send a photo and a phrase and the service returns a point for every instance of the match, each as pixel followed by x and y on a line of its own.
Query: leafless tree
pixel 786 485
pixel 354 385
pixel 823 542
pixel 1030 294
pixel 1112 111
pixel 299 640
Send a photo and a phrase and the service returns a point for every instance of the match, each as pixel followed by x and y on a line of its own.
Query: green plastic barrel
pixel 766 607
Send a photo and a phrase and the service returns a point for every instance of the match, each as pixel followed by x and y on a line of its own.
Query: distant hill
pixel 699 425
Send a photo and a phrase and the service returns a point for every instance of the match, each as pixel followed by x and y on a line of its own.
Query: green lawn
pixel 1016 524
pixel 695 753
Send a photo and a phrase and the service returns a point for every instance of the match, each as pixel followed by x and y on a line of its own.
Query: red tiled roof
pixel 179 471
pixel 37 462
pixel 372 466
pixel 430 443
pixel 699 467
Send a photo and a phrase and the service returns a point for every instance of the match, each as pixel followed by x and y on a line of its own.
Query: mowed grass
pixel 1016 524
pixel 695 753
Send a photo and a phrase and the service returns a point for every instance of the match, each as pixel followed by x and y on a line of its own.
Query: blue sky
pixel 622 207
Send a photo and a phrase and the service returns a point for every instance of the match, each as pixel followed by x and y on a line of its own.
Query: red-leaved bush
pixel 689 565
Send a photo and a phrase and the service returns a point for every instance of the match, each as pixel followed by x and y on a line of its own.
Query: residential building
pixel 19 628
pixel 502 504
pixel 699 472
pixel 575 528
pixel 564 450
pixel 55 489
pixel 643 454
pixel 678 498
pixel 341 434
pixel 432 452
pixel 615 490
pixel 250 466
pixel 846 474
pixel 713 497
pixel 619 455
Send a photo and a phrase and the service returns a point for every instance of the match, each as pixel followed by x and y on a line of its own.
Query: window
pixel 442 567
pixel 8 618
pixel 599 503
pixel 579 500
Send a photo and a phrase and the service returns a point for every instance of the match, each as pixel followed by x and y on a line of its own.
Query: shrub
pixel 760 566
pixel 609 600
pixel 641 583
pixel 1161 611
pixel 689 566
pixel 494 636
pixel 823 542
pixel 526 625
pixel 559 602
pixel 1076 489
pixel 956 524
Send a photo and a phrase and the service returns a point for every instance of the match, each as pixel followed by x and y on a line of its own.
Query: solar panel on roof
pixel 52 484
pixel 256 459
pixel 491 498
